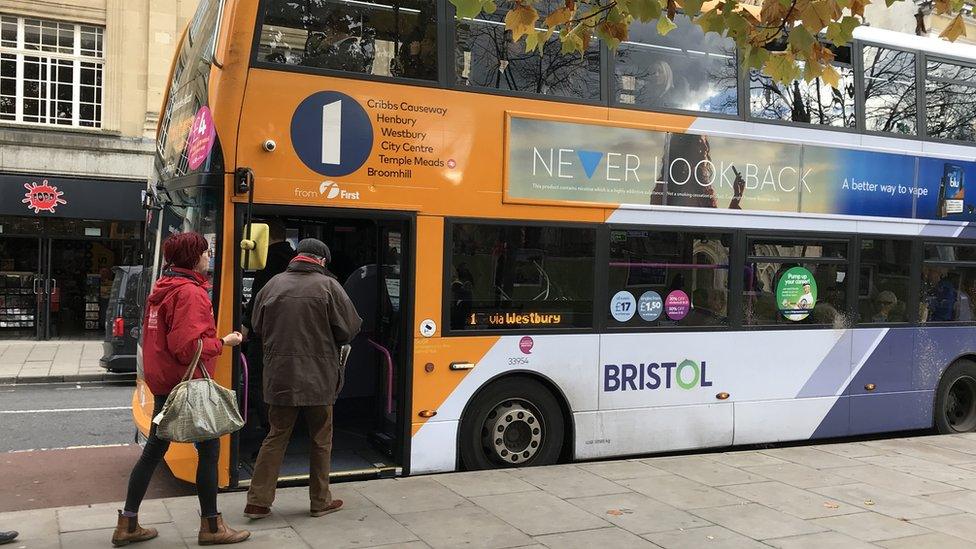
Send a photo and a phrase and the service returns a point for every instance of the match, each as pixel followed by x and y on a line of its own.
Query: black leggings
pixel 207 453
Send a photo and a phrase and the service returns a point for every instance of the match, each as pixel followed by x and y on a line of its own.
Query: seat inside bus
pixel 366 262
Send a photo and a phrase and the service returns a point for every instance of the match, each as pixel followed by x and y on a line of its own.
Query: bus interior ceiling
pixel 365 426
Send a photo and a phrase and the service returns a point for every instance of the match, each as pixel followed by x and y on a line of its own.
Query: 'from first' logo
pixel 651 376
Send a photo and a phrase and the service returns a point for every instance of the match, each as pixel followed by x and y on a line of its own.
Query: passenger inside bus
pixel 365 425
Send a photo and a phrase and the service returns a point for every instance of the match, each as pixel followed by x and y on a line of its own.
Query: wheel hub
pixel 513 432
pixel 960 407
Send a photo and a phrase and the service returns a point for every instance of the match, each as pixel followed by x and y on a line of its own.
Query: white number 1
pixel 332 133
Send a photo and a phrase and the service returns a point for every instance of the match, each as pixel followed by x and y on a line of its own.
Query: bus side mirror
pixel 254 251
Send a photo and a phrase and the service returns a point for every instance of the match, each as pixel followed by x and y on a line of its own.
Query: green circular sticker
pixel 796 293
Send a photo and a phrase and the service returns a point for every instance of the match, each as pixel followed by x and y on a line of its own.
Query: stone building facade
pixel 138 41
pixel 81 85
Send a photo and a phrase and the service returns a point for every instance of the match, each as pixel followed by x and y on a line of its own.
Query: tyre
pixel 514 422
pixel 955 401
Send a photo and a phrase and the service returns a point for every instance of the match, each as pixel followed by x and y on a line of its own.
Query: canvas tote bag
pixel 198 409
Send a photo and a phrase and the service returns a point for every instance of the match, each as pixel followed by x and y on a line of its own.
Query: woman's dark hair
pixel 183 250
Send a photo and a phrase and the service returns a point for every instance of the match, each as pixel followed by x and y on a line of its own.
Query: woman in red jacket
pixel 178 316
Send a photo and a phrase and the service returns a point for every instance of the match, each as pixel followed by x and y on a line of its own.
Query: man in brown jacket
pixel 303 317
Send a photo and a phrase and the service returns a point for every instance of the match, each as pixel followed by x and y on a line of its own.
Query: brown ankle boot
pixel 213 531
pixel 128 531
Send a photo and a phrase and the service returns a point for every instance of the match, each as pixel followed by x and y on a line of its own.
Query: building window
pixel 393 38
pixel 486 57
pixel 509 277
pixel 950 101
pixel 814 102
pixel 51 72
pixel 688 69
pixel 889 91
pixel 668 279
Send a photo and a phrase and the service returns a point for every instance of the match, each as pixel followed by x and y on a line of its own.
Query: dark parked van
pixel 122 319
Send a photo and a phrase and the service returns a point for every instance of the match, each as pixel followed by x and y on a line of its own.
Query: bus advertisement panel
pixel 556 161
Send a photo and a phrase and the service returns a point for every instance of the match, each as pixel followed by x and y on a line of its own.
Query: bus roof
pixel 905 41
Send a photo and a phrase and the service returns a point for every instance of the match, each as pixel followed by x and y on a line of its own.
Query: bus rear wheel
pixel 955 404
pixel 514 422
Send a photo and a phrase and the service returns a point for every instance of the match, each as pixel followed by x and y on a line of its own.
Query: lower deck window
pixel 783 293
pixel 947 293
pixel 668 279
pixel 510 277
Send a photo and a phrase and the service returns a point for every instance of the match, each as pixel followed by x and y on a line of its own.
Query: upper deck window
pixel 889 91
pixel 687 69
pixel 188 91
pixel 393 38
pixel 950 100
pixel 814 102
pixel 486 57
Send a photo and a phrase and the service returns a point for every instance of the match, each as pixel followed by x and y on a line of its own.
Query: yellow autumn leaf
pixel 773 11
pixel 665 25
pixel 831 76
pixel 857 7
pixel 781 66
pixel 821 54
pixel 572 42
pixel 521 20
pixel 560 17
pixel 585 35
pixel 955 29
pixel 812 71
pixel 532 41
pixel 616 31
pixel 817 14
pixel 942 7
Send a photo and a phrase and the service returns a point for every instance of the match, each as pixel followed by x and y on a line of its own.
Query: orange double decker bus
pixel 564 256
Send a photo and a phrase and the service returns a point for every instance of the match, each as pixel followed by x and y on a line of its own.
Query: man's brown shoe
pixel 128 531
pixel 330 508
pixel 255 512
pixel 213 531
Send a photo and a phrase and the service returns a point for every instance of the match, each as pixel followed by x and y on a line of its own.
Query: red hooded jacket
pixel 178 314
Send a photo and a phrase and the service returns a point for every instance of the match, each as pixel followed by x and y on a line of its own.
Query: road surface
pixel 70 444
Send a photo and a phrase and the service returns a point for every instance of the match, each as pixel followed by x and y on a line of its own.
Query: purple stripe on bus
pixel 891 412
pixel 837 422
pixel 834 369
pixel 906 368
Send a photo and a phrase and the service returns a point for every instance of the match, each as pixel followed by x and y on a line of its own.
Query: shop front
pixel 60 239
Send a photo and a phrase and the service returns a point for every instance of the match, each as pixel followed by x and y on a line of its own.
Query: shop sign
pixel 44 197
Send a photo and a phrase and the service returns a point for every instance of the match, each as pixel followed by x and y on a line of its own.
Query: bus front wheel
pixel 955 403
pixel 514 422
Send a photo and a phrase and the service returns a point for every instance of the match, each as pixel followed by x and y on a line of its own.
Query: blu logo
pixel 332 133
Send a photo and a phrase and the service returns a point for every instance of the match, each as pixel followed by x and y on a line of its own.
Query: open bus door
pixel 372 258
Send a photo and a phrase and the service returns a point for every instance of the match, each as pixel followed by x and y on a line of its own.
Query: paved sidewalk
pixel 52 361
pixel 902 493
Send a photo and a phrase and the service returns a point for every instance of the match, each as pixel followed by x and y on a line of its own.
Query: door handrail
pixel 389 373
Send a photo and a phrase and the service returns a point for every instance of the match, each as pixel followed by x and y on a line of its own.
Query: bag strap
pixel 196 360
